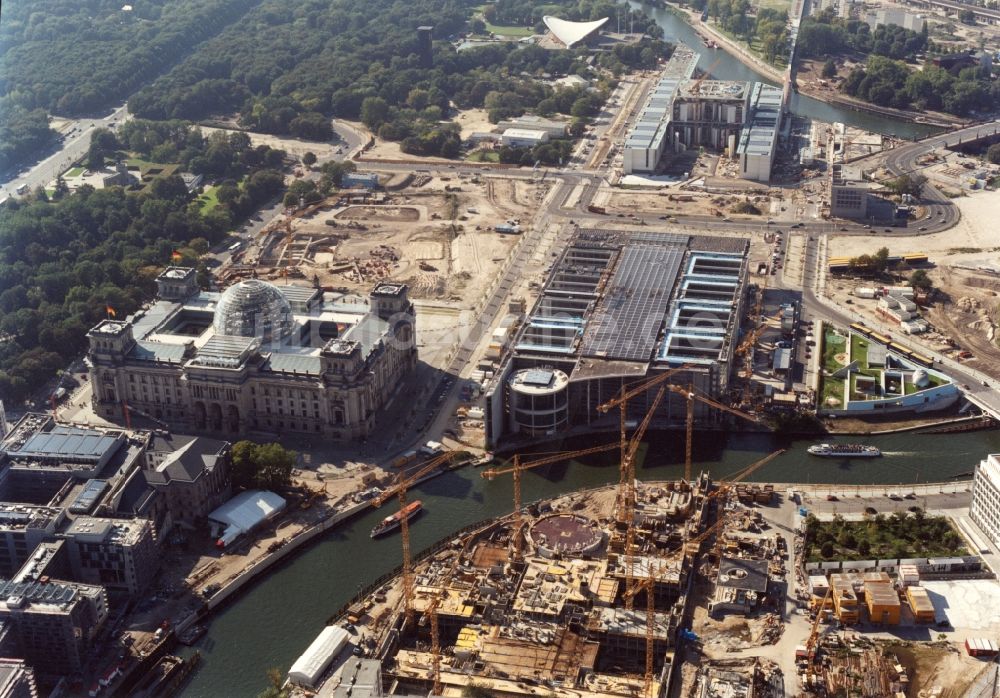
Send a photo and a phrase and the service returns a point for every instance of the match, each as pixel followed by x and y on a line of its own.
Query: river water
pixel 277 619
pixel 676 30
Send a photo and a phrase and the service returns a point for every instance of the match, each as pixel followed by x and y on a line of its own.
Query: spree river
pixel 276 620
pixel 676 30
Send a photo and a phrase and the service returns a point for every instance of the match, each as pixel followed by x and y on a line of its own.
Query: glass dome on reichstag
pixel 253 308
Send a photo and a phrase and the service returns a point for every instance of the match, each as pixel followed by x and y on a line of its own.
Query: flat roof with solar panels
pixel 621 305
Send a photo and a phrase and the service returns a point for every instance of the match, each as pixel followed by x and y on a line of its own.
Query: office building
pixel 17 679
pixel 681 112
pixel 255 358
pixel 985 507
pixel 652 131
pixel 191 474
pixel 22 528
pixel 758 143
pixel 709 113
pixel 120 554
pixel 619 306
pixel 54 623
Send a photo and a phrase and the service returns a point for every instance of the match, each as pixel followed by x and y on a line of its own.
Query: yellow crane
pixel 691 395
pixel 435 642
pixel 398 488
pixel 626 394
pixel 518 466
pixel 726 486
pixel 648 585
pixel 812 643
pixel 626 492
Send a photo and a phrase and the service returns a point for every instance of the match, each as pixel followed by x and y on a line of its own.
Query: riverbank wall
pixel 260 566
pixel 747 58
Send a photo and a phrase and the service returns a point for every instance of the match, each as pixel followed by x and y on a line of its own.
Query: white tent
pixel 308 668
pixel 243 513
pixel 570 33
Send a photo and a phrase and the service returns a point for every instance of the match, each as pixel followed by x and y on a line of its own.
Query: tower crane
pixel 648 584
pixel 398 488
pixel 625 395
pixel 696 85
pixel 518 466
pixel 435 642
pixel 813 642
pixel 689 393
pixel 626 493
pixel 726 486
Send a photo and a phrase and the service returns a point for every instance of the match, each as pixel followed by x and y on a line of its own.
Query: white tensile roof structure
pixel 569 32
pixel 310 666
pixel 244 512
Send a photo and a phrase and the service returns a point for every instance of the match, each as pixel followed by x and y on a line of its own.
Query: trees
pixel 967 17
pixel 919 279
pixel 62 263
pixel 993 153
pixel 261 466
pixel 899 535
pixel 374 111
pixel 907 184
pixel 829 68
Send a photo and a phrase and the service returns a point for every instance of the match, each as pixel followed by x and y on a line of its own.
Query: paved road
pixel 74 147
pixel 980 386
pixel 903 160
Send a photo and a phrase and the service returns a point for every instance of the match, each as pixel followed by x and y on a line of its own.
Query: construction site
pixel 444 236
pixel 585 595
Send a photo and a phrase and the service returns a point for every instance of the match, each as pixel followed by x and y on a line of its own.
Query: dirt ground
pixel 441 243
pixel 942 665
pixel 292 146
pixel 473 120
pixel 967 307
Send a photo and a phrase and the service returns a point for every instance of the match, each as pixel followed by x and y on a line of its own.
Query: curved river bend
pixel 275 621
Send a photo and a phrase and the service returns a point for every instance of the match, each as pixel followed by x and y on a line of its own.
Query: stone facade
pixel 326 374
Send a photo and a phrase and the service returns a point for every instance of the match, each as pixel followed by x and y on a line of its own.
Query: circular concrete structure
pixel 565 534
pixel 539 401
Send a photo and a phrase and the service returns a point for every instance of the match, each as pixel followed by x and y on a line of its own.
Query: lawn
pixel 859 350
pixel 833 344
pixel 783 5
pixel 483 156
pixel 880 537
pixel 74 172
pixel 831 388
pixel 517 32
pixel 754 46
pixel 208 200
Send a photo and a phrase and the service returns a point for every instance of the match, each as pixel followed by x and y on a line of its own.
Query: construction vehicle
pixel 696 85
pixel 398 489
pixel 518 466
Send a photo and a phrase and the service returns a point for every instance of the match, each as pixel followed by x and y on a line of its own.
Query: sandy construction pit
pixel 380 213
